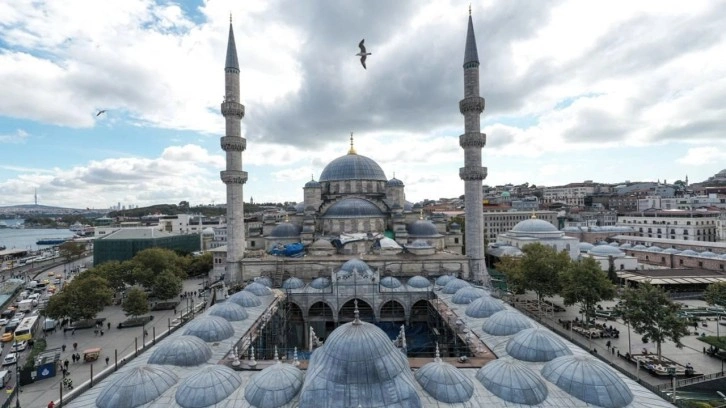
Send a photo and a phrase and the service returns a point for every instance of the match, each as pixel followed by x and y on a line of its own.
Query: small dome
pixel 722 256
pixel 390 282
pixel 394 182
pixel 418 282
pixel 274 386
pixel 467 294
pixel 245 299
pixel 614 244
pixel 606 250
pixel 639 247
pixel 445 382
pixel 293 283
pixel 422 228
pixel 484 306
pixel 352 167
pixel 136 387
pixel 505 323
pixel 419 243
pixel 285 230
pixel 536 345
pixel 444 279
pixel 183 351
pixel 455 284
pixel 689 252
pixel 264 280
pixel 626 245
pixel 671 251
pixel 512 381
pixel 353 208
pixel 708 254
pixel 588 379
pixel 320 283
pixel 655 248
pixel 321 244
pixel 356 264
pixel 506 194
pixel 210 328
pixel 534 225
pixel 313 184
pixel 258 289
pixel 229 311
pixel 208 231
pixel 585 246
pixel 207 387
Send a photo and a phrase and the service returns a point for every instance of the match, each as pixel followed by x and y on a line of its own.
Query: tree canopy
pixel 651 313
pixel 715 294
pixel 82 298
pixel 136 302
pixel 166 285
pixel 70 250
pixel 585 283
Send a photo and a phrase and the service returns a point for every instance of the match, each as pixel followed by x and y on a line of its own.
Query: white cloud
pixel 19 136
pixel 700 156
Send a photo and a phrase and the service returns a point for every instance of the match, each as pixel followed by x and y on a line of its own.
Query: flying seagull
pixel 362 54
pixel 100 112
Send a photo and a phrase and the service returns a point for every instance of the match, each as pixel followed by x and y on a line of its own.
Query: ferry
pixel 51 241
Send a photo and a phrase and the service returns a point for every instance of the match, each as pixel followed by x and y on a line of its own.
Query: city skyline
pixel 573 92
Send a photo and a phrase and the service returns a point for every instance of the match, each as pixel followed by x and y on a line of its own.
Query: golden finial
pixel 230 14
pixel 534 215
pixel 287 218
pixel 352 149
pixel 420 216
pixel 469 9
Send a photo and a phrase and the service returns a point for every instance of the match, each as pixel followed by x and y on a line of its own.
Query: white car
pixel 3 322
pixel 20 346
pixel 19 316
pixel 11 358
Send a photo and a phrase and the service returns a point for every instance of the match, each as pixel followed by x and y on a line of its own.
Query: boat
pixel 81 230
pixel 51 241
pixel 2 247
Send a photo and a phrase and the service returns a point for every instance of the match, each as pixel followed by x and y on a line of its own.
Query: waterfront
pixel 25 238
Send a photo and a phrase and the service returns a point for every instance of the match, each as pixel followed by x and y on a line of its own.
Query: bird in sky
pixel 100 112
pixel 363 54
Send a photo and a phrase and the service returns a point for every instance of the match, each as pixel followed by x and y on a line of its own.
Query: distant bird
pixel 363 54
pixel 100 112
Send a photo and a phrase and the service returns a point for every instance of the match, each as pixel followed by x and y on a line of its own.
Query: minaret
pixel 472 141
pixel 233 176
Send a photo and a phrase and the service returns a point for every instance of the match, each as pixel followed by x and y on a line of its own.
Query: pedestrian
pixel 65 364
pixel 75 346
pixel 51 404
pixel 95 332
pixel 107 360
pixel 63 348
pixel 174 310
pixel 108 325
pixel 101 332
pixel 73 333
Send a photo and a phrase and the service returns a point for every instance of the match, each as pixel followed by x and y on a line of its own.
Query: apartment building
pixel 675 224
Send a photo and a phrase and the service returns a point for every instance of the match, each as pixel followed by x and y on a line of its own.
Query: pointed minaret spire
pixel 231 62
pixel 471 56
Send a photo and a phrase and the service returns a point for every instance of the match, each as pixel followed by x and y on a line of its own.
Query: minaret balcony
pixel 232 108
pixel 233 143
pixel 233 176
pixel 473 173
pixel 472 139
pixel 471 104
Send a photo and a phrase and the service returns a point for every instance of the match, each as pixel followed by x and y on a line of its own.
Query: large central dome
pixel 352 166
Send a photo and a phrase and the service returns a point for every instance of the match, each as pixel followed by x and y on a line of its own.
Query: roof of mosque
pixel 182 351
pixel 394 182
pixel 211 328
pixel 353 208
pixel 352 167
pixel 454 285
pixel 390 282
pixel 293 283
pixel 264 280
pixel 418 282
pixel 534 225
pixel 320 283
pixel 605 250
pixel 536 344
pixel 506 322
pixel 467 294
pixel 245 299
pixel 229 311
pixel 444 279
pixel 208 386
pixel 136 387
pixel 445 382
pixel 285 230
pixel 513 381
pixel 313 184
pixel 275 386
pixel 422 228
pixel 258 289
pixel 231 61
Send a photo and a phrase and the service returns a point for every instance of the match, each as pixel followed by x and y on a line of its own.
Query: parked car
pixel 20 346
pixel 10 359
pixel 3 321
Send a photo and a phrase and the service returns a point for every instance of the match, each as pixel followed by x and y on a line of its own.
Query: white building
pixel 572 194
pixel 499 222
pixel 675 224
pixel 535 230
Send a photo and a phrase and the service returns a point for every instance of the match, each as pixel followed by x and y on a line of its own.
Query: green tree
pixel 136 302
pixel 715 294
pixel 80 299
pixel 118 274
pixel 612 275
pixel 585 283
pixel 540 268
pixel 510 267
pixel 166 286
pixel 200 265
pixel 158 260
pixel 652 314
pixel 71 250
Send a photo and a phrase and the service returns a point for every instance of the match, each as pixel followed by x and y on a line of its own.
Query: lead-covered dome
pixel 536 345
pixel 467 294
pixel 606 250
pixel 136 387
pixel 455 284
pixel 285 230
pixel 444 279
pixel 534 225
pixel 390 282
pixel 688 252
pixel 207 387
pixel 505 323
pixel 356 264
pixel 210 328
pixel 258 289
pixel 183 351
pixel 352 167
pixel 394 182
pixel 423 228
pixel 589 380
pixel 265 280
pixel 445 382
pixel 353 208
pixel 320 283
pixel 245 299
pixel 484 306
pixel 358 364
pixel 228 311
pixel 418 282
pixel 312 184
pixel 274 386
pixel 293 283
pixel 512 381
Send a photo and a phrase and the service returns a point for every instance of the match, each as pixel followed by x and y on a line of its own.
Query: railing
pixel 690 381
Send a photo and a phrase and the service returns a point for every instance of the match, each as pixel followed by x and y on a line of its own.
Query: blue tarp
pixel 294 250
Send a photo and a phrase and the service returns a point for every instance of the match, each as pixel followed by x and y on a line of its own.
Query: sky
pixel 603 91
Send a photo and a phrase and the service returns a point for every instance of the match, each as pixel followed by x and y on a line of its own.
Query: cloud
pixel 19 136
pixel 699 156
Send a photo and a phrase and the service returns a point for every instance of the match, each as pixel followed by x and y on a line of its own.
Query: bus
pixel 27 328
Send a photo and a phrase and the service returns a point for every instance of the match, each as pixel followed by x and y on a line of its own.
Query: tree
pixel 652 314
pixel 166 286
pixel 510 267
pixel 612 275
pixel 118 274
pixel 585 283
pixel 136 302
pixel 80 299
pixel 200 265
pixel 70 250
pixel 540 267
pixel 158 260
pixel 715 294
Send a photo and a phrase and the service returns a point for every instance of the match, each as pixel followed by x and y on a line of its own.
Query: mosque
pixel 358 321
